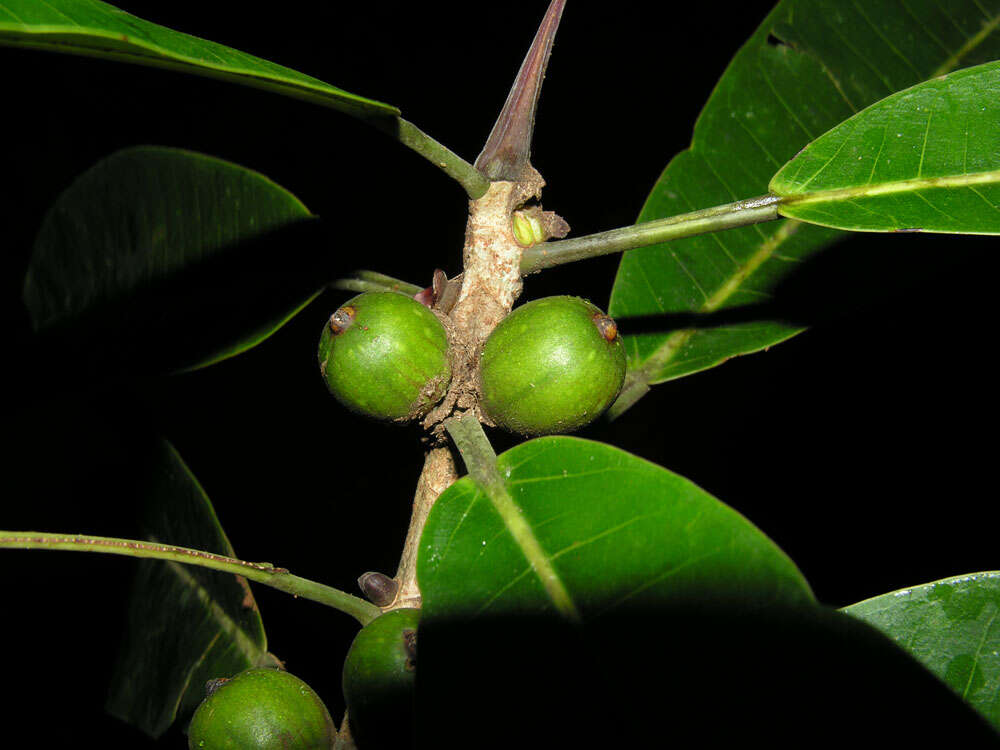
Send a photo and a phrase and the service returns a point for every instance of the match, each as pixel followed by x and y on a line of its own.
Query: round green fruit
pixel 261 709
pixel 385 355
pixel 552 365
pixel 378 681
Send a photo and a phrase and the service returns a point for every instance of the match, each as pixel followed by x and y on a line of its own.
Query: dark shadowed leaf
pixel 927 159
pixel 96 29
pixel 695 628
pixel 690 304
pixel 158 259
pixel 952 627
pixel 619 531
pixel 186 625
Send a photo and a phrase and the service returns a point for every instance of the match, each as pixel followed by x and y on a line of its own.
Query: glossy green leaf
pixel 93 28
pixel 158 259
pixel 952 627
pixel 809 66
pixel 618 531
pixel 694 624
pixel 186 624
pixel 96 29
pixel 927 159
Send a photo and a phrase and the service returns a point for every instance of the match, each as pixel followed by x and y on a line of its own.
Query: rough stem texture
pixel 437 475
pixel 492 259
pixel 490 281
pixel 490 284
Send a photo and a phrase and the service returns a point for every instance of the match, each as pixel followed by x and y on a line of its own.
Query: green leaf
pixel 927 159
pixel 952 627
pixel 186 624
pixel 96 29
pixel 695 626
pixel 809 66
pixel 618 532
pixel 158 259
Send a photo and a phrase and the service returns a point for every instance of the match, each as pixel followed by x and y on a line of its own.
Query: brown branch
pixel 437 475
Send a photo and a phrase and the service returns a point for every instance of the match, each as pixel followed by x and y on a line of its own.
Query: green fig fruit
pixel 385 355
pixel 553 365
pixel 261 709
pixel 379 674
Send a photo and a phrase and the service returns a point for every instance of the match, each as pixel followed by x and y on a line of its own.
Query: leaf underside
pixel 93 28
pixel 924 159
pixel 158 259
pixel 693 303
pixel 952 627
pixel 186 625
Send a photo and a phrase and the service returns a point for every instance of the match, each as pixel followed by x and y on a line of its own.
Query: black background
pixel 863 447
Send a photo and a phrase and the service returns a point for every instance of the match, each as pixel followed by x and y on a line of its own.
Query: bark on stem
pixel 437 475
pixel 491 282
pixel 491 278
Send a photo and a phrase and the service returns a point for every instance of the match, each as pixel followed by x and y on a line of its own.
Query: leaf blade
pixel 94 28
pixel 923 159
pixel 672 539
pixel 952 627
pixel 160 259
pixel 185 624
pixel 675 600
pixel 808 67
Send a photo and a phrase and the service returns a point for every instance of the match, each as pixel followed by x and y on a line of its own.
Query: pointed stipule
pixel 507 153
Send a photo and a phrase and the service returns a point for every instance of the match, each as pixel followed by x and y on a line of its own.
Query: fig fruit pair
pixel 553 365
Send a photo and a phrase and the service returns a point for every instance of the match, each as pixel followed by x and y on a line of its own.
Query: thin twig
pixel 447 161
pixel 265 573
pixel 728 216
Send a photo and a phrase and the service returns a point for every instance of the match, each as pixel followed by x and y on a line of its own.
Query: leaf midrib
pixel 227 624
pixel 889 188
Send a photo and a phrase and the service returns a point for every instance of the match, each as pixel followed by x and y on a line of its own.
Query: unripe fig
pixel 385 355
pixel 552 365
pixel 261 708
pixel 378 681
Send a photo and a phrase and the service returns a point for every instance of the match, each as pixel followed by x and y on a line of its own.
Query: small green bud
pixel 261 709
pixel 527 229
pixel 378 680
pixel 385 355
pixel 552 365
